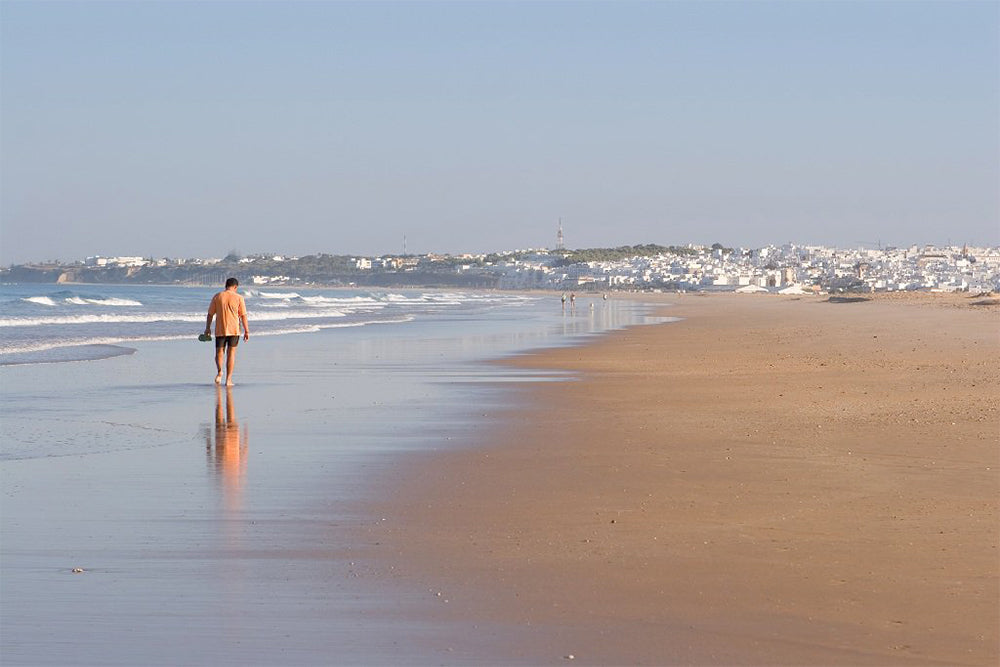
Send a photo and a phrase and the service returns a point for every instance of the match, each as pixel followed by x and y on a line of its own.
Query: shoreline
pixel 144 503
pixel 767 481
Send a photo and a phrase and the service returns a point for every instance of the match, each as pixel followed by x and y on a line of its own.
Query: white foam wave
pixel 99 318
pixel 50 343
pixel 278 295
pixel 309 314
pixel 82 301
pixel 347 300
pixel 41 300
pixel 111 301
pixel 108 318
pixel 346 325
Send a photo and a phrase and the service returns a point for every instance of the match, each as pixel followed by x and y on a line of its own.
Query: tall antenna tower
pixel 404 245
pixel 559 236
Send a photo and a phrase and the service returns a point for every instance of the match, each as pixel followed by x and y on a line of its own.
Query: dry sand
pixel 768 481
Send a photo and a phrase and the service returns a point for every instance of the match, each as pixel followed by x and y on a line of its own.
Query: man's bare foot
pixel 229 382
pixel 218 379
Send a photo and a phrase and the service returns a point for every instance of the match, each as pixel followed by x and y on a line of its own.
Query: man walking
pixel 230 311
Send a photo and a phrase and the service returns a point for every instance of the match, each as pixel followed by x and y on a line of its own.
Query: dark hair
pixel 232 282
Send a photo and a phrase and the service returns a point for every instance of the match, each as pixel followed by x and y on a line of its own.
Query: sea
pixel 150 517
pixel 41 324
pixel 47 324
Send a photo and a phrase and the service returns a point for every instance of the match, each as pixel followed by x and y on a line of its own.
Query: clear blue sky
pixel 188 129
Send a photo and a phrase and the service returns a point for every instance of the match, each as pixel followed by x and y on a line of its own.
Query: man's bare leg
pixel 218 365
pixel 230 364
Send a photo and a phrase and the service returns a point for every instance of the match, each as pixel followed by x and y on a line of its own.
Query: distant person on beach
pixel 230 311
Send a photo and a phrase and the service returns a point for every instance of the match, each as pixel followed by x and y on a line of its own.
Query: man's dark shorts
pixel 226 341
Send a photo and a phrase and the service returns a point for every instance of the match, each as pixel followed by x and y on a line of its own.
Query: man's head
pixel 232 282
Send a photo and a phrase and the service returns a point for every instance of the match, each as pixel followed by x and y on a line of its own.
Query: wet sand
pixel 150 517
pixel 769 481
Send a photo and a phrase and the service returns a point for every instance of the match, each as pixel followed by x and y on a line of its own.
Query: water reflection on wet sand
pixel 226 449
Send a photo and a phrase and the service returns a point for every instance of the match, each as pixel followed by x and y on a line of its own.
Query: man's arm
pixel 243 319
pixel 211 313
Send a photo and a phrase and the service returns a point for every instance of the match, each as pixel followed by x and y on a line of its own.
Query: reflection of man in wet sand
pixel 230 447
pixel 230 311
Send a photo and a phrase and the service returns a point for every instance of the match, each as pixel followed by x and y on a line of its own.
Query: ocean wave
pixel 429 298
pixel 52 343
pixel 96 301
pixel 40 300
pixel 461 298
pixel 53 300
pixel 111 301
pixel 98 318
pixel 294 314
pixel 312 302
pixel 362 323
pixel 92 352
pixel 343 300
pixel 291 299
pixel 115 318
pixel 278 295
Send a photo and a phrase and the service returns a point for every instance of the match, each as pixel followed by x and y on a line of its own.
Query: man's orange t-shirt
pixel 227 307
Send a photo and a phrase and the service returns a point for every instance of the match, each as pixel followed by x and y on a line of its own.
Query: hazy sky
pixel 195 128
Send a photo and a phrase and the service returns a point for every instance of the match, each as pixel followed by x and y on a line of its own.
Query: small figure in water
pixel 564 301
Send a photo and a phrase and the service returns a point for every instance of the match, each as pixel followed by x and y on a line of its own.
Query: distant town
pixel 787 268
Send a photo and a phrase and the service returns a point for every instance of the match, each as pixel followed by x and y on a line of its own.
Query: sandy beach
pixel 768 481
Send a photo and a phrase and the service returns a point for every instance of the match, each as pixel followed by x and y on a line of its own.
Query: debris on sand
pixel 847 299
